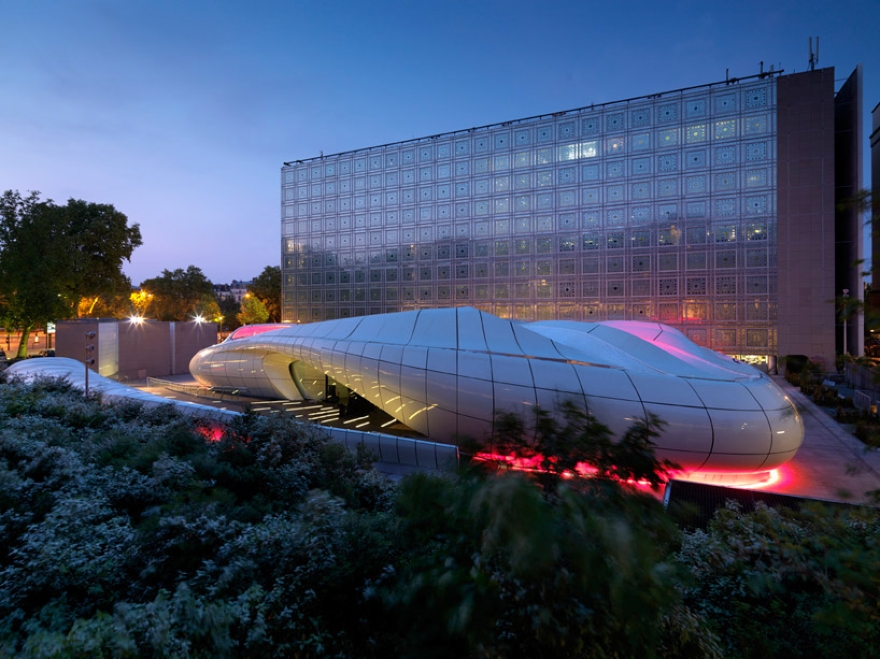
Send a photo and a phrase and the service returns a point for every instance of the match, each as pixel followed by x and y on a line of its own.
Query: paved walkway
pixel 832 464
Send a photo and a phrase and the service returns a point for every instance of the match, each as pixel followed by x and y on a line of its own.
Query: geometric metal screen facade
pixel 656 208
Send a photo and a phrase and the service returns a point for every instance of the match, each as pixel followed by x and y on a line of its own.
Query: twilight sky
pixel 181 113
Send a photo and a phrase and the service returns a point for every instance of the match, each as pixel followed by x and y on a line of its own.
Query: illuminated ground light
pixel 745 481
pixel 742 480
pixel 533 464
pixel 211 433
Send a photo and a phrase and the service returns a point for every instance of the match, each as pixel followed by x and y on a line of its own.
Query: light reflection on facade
pixel 663 208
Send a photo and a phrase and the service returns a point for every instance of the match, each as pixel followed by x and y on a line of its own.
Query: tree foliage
pixel 572 438
pixel 253 311
pixel 777 582
pixel 99 241
pixel 177 294
pixel 267 288
pixel 229 309
pixel 208 309
pixel 132 531
pixel 56 261
pixel 506 569
pixel 125 532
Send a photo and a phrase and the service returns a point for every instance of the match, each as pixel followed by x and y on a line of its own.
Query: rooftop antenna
pixel 814 57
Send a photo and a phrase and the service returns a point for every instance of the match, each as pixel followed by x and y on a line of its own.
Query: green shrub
pixel 784 583
pixel 125 532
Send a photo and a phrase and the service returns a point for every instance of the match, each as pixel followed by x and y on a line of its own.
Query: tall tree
pixel 100 239
pixel 253 311
pixel 229 310
pixel 52 257
pixel 177 294
pixel 267 287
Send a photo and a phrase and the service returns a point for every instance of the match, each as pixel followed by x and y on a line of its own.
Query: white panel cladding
pixel 606 382
pixel 436 328
pixel 474 365
pixel 725 395
pixel 511 370
pixel 618 415
pixel 475 398
pixel 740 432
pixel 657 388
pixel 683 428
pixel 450 372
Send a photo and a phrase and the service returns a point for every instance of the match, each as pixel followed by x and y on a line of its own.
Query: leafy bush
pixel 125 532
pixel 506 570
pixel 868 431
pixel 123 528
pixel 784 583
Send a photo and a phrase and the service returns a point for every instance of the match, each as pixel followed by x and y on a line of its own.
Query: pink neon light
pixel 245 331
pixel 211 433
pixel 741 480
pixel 533 465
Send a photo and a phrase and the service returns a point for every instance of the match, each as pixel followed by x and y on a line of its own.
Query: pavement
pixel 831 465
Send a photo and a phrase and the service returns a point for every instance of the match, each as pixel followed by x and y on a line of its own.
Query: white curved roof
pixel 448 373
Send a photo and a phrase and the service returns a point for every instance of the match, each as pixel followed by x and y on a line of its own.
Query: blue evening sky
pixel 181 112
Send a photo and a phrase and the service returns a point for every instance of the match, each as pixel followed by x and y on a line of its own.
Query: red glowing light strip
pixel 741 480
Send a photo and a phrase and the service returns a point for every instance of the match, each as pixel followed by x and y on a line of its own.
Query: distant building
pixel 711 209
pixel 235 291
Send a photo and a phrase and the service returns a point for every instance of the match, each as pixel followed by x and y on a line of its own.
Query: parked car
pixel 46 353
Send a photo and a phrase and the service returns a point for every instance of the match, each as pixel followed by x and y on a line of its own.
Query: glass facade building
pixel 662 207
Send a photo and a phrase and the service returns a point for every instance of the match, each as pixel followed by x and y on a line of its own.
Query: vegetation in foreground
pixel 125 532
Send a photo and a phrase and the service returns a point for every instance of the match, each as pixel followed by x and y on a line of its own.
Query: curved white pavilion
pixel 448 373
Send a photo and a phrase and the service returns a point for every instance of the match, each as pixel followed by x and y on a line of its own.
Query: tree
pixel 117 305
pixel 252 311
pixel 208 309
pixel 127 533
pixel 52 257
pixel 100 239
pixel 793 583
pixel 573 440
pixel 140 302
pixel 267 287
pixel 229 310
pixel 177 294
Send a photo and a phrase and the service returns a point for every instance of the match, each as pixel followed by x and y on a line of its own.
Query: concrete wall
pixel 187 340
pixel 144 350
pixel 806 214
pixel 849 229
pixel 71 341
pixel 133 351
